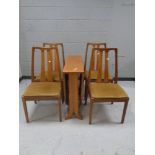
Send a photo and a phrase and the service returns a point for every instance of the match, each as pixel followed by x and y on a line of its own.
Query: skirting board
pixel 120 78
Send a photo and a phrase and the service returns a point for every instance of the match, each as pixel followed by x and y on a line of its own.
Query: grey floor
pixel 45 135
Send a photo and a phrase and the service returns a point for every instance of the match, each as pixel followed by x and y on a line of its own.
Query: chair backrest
pixel 52 65
pixel 100 63
pixel 90 46
pixel 57 45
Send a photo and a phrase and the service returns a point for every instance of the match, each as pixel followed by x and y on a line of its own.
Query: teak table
pixel 73 68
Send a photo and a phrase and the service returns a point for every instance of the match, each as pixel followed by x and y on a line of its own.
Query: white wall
pixel 20 73
pixel 76 22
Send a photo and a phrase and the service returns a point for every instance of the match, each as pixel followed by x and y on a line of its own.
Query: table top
pixel 73 64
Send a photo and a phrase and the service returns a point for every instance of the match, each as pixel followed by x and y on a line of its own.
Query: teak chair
pixel 104 90
pixel 93 77
pixel 46 88
pixel 55 74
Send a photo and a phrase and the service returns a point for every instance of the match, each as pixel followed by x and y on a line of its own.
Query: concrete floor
pixel 45 135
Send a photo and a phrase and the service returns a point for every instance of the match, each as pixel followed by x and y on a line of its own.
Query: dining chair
pixel 46 88
pixel 89 53
pixel 55 72
pixel 103 90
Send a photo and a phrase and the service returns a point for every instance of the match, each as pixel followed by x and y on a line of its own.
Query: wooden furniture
pixel 61 57
pixel 45 88
pixel 73 68
pixel 104 90
pixel 89 53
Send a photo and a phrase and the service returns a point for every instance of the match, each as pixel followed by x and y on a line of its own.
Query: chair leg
pixel 81 88
pixel 90 111
pixel 25 110
pixel 62 92
pixel 86 92
pixel 124 111
pixel 35 102
pixel 59 104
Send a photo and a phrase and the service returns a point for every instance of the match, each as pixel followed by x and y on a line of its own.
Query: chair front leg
pixel 62 92
pixel 86 91
pixel 25 109
pixel 124 111
pixel 59 104
pixel 90 111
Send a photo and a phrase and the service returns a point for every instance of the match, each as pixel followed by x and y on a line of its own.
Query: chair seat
pixel 94 75
pixel 106 90
pixel 55 76
pixel 43 89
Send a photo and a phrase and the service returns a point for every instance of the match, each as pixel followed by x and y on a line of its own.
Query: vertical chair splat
pixel 106 67
pixel 116 66
pixel 57 63
pixel 99 66
pixel 42 65
pixel 32 65
pixel 49 65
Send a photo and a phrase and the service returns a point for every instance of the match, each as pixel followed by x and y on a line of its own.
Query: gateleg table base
pixel 73 97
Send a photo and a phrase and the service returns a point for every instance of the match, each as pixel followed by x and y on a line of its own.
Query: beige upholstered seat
pixel 43 89
pixel 106 90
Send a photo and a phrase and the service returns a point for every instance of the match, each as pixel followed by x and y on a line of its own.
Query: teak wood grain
pixel 73 64
pixel 91 46
pixel 74 68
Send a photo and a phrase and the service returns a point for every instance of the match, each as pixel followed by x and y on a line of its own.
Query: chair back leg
pixel 86 91
pixel 124 111
pixel 25 110
pixel 59 104
pixel 90 111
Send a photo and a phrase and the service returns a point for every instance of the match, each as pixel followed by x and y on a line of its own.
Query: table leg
pixel 73 97
pixel 81 87
pixel 66 88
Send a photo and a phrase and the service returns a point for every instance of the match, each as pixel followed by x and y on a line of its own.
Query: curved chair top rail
pixel 95 44
pixel 42 48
